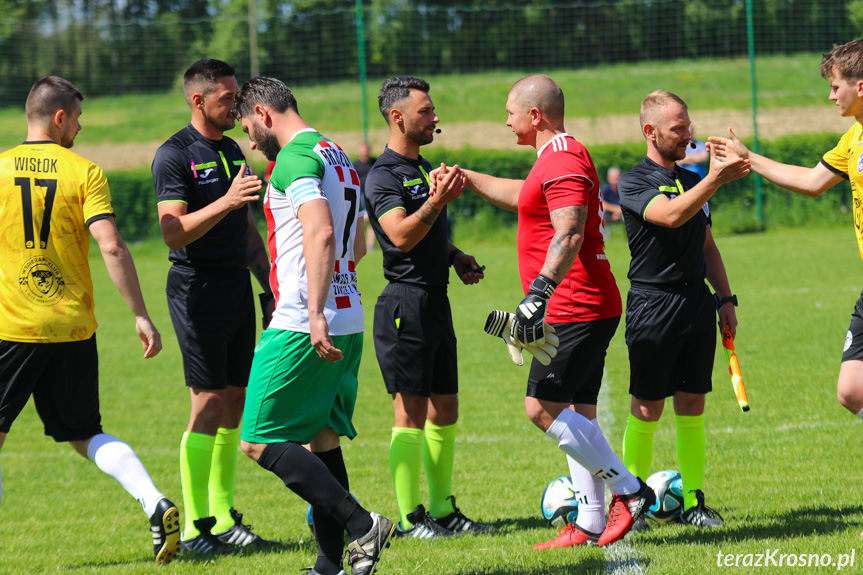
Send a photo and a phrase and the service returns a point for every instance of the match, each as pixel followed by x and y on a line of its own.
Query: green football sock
pixel 196 455
pixel 438 460
pixel 222 474
pixel 405 464
pixel 691 455
pixel 638 446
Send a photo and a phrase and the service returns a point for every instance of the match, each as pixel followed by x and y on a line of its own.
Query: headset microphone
pixel 691 144
pixel 437 131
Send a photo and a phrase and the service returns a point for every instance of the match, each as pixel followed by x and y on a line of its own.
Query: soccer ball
pixel 668 487
pixel 559 502
pixel 310 521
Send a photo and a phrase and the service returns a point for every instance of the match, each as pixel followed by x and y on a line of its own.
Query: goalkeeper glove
pixel 529 325
pixel 545 350
pixel 499 324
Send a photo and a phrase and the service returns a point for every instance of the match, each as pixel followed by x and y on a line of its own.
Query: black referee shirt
pixel 193 169
pixel 662 255
pixel 396 181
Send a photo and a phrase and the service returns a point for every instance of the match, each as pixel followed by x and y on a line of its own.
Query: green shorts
pixel 293 394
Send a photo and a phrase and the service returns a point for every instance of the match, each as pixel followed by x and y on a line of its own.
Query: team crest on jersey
pixel 40 280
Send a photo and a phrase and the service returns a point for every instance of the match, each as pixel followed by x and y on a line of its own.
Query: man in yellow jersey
pixel 49 199
pixel 843 68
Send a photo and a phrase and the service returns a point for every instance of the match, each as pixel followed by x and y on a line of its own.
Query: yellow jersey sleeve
pixel 846 159
pixel 97 196
pixel 47 196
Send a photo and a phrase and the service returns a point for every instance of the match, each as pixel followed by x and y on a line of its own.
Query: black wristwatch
pixel 453 254
pixel 721 301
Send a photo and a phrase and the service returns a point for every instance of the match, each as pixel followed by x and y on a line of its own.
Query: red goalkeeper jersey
pixel 564 175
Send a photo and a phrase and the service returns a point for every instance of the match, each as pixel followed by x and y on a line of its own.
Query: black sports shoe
pixel 365 553
pixel 458 523
pixel 640 525
pixel 165 528
pixel 701 515
pixel 241 535
pixel 424 527
pixel 206 543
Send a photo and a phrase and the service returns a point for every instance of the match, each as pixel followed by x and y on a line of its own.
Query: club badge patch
pixel 40 280
pixel 849 339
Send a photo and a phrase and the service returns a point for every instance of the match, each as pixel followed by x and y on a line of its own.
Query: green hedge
pixel 733 207
pixel 134 202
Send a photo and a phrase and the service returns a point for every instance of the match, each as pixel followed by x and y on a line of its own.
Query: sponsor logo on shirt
pixel 345 283
pixel 412 189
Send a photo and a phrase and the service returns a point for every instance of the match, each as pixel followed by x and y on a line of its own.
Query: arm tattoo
pixel 568 223
pixel 427 214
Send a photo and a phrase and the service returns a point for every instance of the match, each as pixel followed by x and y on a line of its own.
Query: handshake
pixel 503 325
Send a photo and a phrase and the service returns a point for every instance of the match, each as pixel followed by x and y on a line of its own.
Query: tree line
pixel 123 46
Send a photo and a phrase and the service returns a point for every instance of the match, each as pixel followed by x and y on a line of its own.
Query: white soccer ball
pixel 559 504
pixel 668 487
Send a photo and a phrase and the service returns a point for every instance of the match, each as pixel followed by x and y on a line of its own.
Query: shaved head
pixel 540 92
pixel 654 103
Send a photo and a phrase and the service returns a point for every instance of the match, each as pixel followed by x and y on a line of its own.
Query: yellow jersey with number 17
pixel 846 159
pixel 48 197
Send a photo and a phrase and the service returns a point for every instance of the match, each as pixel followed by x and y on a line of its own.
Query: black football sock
pixel 306 475
pixel 330 534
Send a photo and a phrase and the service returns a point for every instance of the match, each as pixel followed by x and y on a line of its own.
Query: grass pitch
pixel 706 84
pixel 786 475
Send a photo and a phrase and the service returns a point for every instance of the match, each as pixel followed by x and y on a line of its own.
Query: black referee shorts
pixel 671 336
pixel 63 379
pixel 214 319
pixel 415 342
pixel 575 375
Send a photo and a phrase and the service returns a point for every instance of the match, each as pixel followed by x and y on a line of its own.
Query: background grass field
pixel 785 475
pixel 593 92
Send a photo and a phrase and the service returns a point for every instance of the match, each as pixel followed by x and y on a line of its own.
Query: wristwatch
pixel 721 301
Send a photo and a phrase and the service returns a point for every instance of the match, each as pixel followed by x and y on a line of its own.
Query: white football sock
pixel 860 414
pixel 119 461
pixel 584 442
pixel 591 497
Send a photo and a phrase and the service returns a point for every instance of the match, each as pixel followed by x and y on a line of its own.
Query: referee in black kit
pixel 670 312
pixel 203 190
pixel 414 338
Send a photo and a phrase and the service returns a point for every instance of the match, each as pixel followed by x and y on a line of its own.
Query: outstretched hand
pixel 732 142
pixel 729 158
pixel 446 183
